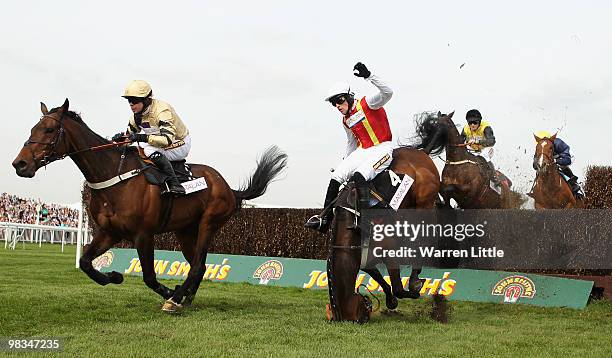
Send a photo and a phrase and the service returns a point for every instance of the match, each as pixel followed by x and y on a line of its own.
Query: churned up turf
pixel 43 295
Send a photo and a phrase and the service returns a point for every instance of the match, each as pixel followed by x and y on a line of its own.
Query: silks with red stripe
pixel 369 126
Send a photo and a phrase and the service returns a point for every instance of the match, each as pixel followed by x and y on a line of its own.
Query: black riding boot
pixel 164 165
pixel 572 181
pixel 323 221
pixel 492 173
pixel 363 192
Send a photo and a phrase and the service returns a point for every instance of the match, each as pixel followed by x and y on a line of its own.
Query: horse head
pixel 47 142
pixel 544 153
pixel 433 131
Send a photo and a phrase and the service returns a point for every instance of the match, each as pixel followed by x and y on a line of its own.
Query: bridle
pixel 51 156
pixel 546 158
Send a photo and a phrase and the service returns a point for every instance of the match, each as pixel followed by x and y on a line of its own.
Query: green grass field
pixel 43 295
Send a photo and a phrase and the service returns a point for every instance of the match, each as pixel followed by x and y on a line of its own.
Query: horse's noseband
pixel 51 156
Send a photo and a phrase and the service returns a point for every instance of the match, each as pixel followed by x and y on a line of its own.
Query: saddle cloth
pixel 388 189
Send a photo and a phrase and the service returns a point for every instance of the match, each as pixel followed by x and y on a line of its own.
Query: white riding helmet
pixel 339 88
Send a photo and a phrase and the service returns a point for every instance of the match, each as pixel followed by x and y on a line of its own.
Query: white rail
pixel 14 232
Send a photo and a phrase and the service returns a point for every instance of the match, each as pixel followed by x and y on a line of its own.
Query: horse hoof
pixel 391 302
pixel 170 306
pixel 115 277
pixel 408 294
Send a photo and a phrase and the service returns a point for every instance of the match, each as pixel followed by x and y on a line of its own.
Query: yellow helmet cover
pixel 137 88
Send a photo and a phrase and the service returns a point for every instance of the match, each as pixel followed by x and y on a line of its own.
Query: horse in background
pixel 133 209
pixel 550 190
pixel 464 178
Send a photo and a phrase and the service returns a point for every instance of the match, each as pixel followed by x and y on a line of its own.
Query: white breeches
pixel 179 152
pixel 486 153
pixel 369 162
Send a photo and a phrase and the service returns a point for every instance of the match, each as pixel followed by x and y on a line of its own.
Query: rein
pixel 52 156
pixel 98 147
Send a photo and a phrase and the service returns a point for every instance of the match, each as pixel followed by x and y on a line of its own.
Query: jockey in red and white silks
pixel 369 147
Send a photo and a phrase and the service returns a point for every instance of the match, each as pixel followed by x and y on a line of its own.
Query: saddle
pixel 157 177
pixel 387 190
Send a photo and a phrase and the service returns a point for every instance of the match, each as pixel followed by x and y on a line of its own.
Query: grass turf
pixel 43 295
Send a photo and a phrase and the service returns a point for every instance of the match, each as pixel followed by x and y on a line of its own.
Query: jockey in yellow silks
pixel 479 139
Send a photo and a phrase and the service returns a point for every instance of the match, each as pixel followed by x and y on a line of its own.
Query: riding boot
pixel 575 187
pixel 493 173
pixel 322 221
pixel 363 192
pixel 567 171
pixel 164 165
pixel 572 181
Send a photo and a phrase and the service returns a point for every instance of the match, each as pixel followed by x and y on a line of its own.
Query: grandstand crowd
pixel 34 211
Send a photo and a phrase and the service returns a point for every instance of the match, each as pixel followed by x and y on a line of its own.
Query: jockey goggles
pixel 473 121
pixel 135 100
pixel 339 99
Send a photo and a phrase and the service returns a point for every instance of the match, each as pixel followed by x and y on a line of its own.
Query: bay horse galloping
pixel 550 190
pixel 463 177
pixel 344 259
pixel 133 209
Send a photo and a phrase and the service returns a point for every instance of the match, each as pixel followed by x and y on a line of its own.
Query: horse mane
pixel 77 118
pixel 431 133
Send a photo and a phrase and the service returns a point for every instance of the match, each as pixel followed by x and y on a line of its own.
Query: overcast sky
pixel 244 75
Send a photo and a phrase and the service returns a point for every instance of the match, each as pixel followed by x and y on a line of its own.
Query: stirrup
pixel 314 222
pixel 319 223
pixel 177 189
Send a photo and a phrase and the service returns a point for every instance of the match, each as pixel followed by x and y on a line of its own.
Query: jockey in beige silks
pixel 158 130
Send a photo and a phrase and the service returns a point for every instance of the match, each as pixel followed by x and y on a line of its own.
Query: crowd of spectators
pixel 32 211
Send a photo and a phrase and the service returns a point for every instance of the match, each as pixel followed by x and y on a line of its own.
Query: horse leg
pixel 145 249
pixel 193 289
pixel 396 283
pixel 390 299
pixel 415 283
pixel 187 238
pixel 99 245
pixel 196 272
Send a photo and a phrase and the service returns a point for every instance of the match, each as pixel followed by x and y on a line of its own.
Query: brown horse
pixel 133 209
pixel 463 177
pixel 550 191
pixel 345 248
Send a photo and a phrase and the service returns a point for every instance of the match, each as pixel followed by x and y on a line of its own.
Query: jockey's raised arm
pixel 381 98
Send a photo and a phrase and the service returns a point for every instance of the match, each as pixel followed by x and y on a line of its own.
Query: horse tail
pixel 431 135
pixel 269 165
